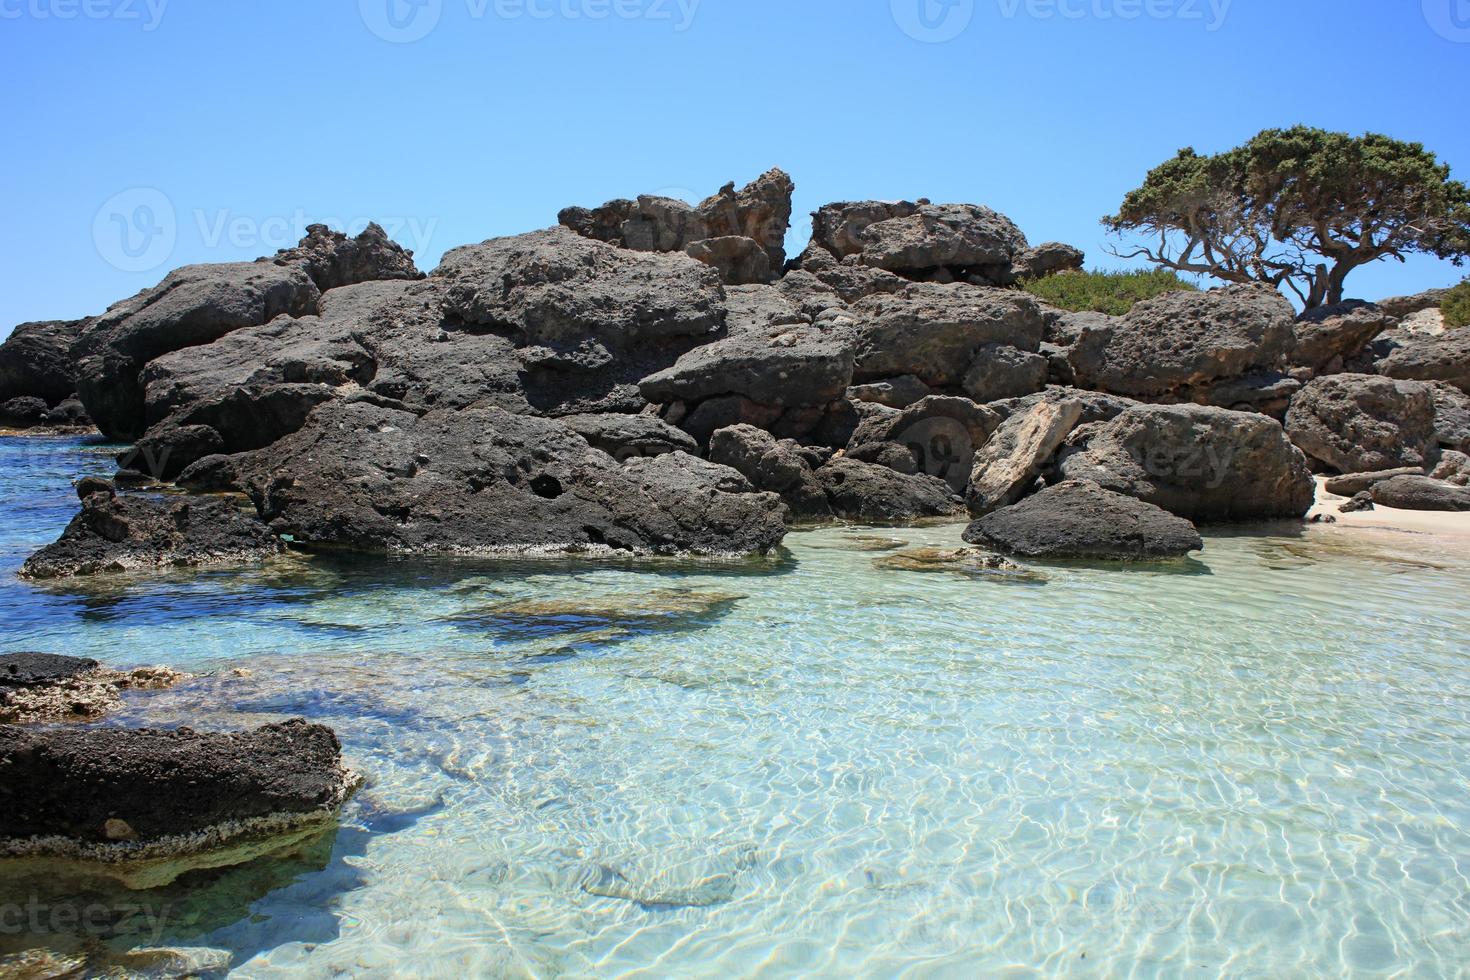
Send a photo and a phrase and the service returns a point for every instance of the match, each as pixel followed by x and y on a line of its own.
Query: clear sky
pixel 145 134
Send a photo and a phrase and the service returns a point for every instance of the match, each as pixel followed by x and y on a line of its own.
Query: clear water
pixel 1252 765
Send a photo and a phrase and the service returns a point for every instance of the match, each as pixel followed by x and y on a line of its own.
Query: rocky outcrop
pixel 1097 406
pixel 937 435
pixel 46 687
pixel 957 242
pixel 779 466
pixel 1420 493
pixel 1399 307
pixel 1202 463
pixel 1451 416
pixel 870 492
pixel 936 332
pixel 485 481
pixel 1358 423
pixel 1002 371
pixel 133 533
pixel 1184 339
pixel 332 259
pixel 121 798
pixel 626 436
pixel 1445 357
pixel 1076 519
pixel 1328 335
pixel 35 361
pixel 1009 464
pixel 1047 259
pixel 726 230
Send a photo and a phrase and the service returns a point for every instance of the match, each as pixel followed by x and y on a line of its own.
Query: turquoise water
pixel 1251 765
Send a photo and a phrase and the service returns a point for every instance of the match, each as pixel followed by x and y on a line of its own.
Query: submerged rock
pixel 663 610
pixel 43 687
pixel 1077 519
pixel 962 561
pixel 145 805
pixel 128 533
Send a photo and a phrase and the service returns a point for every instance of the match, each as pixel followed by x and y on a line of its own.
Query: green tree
pixel 1297 208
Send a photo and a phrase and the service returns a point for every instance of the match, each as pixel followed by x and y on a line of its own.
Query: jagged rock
pixel 1402 306
pixel 868 492
pixel 166 450
pixel 1002 371
pixel 486 481
pixel 1007 466
pixel 1445 357
pixel 332 259
pixel 1420 493
pixel 1077 519
pixel 212 474
pixel 822 282
pixel 125 533
pixel 126 798
pixel 780 466
pixel 1361 502
pixel 1352 484
pixel 771 356
pixel 1454 467
pixel 45 687
pixel 934 332
pixel 915 240
pixel 1267 392
pixel 68 414
pixel 940 433
pixel 1327 335
pixel 1184 338
pixel 893 455
pixel 838 228
pixel 35 361
pixel 740 261
pixel 1451 416
pixel 1359 423
pixel 1097 406
pixel 23 413
pixel 900 392
pixel 1047 259
pixel 760 212
pixel 625 436
pixel 1202 463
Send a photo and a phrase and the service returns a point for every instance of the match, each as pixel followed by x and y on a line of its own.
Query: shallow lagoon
pixel 1255 763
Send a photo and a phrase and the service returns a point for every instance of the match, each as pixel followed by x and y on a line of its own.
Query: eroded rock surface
pixel 1077 519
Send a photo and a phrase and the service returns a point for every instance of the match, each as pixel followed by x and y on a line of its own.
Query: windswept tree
pixel 1297 208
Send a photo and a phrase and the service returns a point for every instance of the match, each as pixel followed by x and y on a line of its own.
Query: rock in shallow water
pixel 128 802
pixel 1077 519
pixel 45 687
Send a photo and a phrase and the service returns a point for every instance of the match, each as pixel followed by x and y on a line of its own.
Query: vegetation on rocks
pixel 1102 291
pixel 1456 306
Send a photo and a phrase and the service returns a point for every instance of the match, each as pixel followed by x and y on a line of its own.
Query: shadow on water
pixel 108 927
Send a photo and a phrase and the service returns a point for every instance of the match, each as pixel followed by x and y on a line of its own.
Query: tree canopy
pixel 1297 208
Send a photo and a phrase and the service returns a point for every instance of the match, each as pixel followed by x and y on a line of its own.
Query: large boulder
pixel 1009 464
pixel 1451 416
pixel 1184 339
pixel 1077 519
pixel 1445 357
pixel 778 465
pixel 1352 484
pixel 771 355
pixel 1202 463
pixel 333 259
pixel 133 533
pixel 1357 422
pixel 1097 406
pixel 936 332
pixel 1402 306
pixel 485 481
pixel 1420 493
pixel 123 799
pixel 625 436
pixel 870 492
pixel 1328 335
pixel 919 240
pixel 35 361
pixel 939 435
pixel 1047 259
pixel 1002 371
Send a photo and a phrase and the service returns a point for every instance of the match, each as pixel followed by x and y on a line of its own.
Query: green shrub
pixel 1456 306
pixel 1105 292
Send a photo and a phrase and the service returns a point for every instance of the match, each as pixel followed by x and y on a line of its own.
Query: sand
pixel 1449 527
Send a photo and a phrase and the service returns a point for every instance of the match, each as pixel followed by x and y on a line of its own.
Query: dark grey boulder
pixel 1002 371
pixel 134 533
pixel 1402 306
pixel 967 238
pixel 1361 502
pixel 112 793
pixel 166 450
pixel 869 492
pixel 1442 357
pixel 1451 416
pixel 1077 519
pixel 1047 259
pixel 1202 463
pixel 1267 392
pixel 740 261
pixel 25 412
pixel 484 481
pixel 1097 406
pixel 941 433
pixel 934 332
pixel 1185 339
pixel 1352 484
pixel 779 466
pixel 333 259
pixel 625 436
pixel 36 669
pixel 1328 335
pixel 900 392
pixel 35 361
pixel 1358 423
pixel 1420 493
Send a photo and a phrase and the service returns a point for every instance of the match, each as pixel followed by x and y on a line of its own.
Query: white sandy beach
pixel 1448 526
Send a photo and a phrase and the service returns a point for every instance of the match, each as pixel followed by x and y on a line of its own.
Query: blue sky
pixel 219 127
